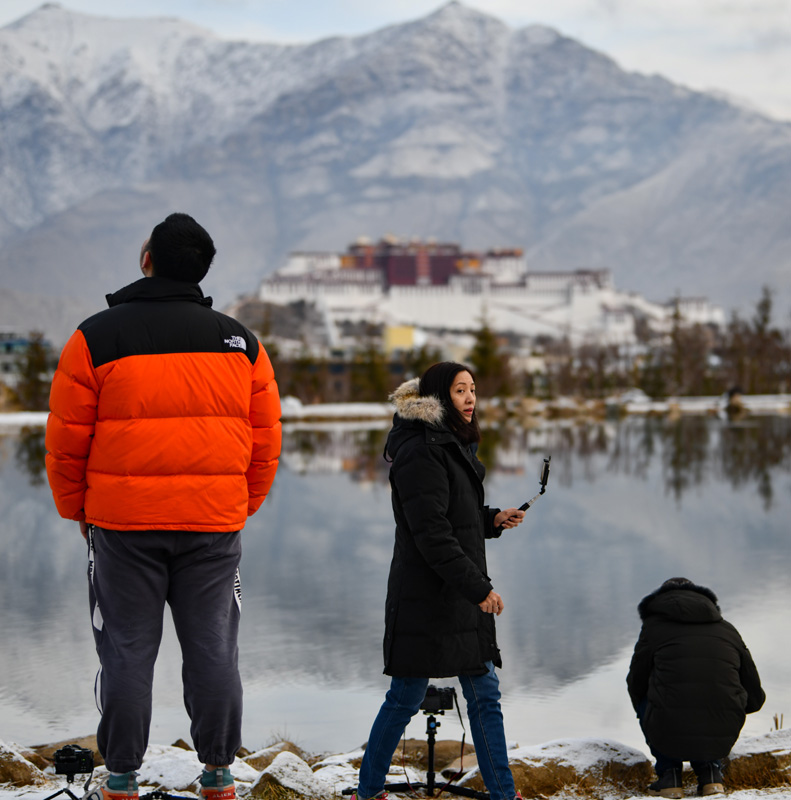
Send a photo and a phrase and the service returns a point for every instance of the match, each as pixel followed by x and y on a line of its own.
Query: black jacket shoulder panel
pixel 156 316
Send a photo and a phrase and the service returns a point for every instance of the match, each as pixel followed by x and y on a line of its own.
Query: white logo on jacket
pixel 236 341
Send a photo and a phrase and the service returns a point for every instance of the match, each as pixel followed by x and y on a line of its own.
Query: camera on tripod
pixel 438 699
pixel 73 760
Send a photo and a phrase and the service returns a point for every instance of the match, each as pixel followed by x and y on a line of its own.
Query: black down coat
pixel 433 626
pixel 694 672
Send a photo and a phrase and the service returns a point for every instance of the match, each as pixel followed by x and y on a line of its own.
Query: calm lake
pixel 628 505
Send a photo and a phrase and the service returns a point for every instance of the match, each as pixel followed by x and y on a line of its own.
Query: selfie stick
pixel 543 477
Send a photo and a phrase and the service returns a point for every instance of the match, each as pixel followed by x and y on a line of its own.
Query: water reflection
pixel 628 505
pixel 691 450
pixel 30 454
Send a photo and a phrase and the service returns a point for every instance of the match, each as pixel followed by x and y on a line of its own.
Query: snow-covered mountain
pixel 453 126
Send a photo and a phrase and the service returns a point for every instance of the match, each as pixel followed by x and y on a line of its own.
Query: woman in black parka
pixel 439 617
pixel 691 681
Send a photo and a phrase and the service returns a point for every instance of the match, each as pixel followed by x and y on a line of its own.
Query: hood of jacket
pixel 411 406
pixel 154 288
pixel 688 603
pixel 413 414
pixel 423 417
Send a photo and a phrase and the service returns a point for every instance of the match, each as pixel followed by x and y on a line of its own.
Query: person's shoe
pixel 380 796
pixel 217 784
pixel 668 785
pixel 116 787
pixel 710 781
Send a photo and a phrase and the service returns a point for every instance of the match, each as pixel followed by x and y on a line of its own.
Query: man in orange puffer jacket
pixel 163 437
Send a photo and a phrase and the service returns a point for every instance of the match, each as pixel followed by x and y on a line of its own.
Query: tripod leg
pixel 431 731
pixel 62 791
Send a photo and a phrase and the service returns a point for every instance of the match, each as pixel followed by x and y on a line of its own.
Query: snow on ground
pixel 582 754
pixel 174 770
pixel 775 741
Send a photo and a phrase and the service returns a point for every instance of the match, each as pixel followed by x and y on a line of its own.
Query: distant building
pixel 696 311
pixel 440 289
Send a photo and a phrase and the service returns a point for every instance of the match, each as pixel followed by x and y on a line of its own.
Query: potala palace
pixel 419 290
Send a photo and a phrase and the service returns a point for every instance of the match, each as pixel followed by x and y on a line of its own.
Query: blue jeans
pixel 402 702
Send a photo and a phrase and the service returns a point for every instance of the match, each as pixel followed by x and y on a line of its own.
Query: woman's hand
pixel 509 518
pixel 493 604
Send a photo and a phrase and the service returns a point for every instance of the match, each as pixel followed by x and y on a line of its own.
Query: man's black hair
pixel 436 381
pixel 181 249
pixel 677 583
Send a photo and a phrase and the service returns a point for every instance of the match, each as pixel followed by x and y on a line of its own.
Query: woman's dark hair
pixel 436 381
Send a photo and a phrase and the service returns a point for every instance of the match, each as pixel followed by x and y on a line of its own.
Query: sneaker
pixel 380 796
pixel 116 787
pixel 217 784
pixel 668 785
pixel 710 780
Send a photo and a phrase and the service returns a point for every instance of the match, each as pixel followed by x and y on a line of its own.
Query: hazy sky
pixel 740 47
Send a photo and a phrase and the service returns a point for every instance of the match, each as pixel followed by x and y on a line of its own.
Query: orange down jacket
pixel 164 415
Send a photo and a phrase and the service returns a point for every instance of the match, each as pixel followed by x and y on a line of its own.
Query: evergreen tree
pixel 370 379
pixel 490 364
pixel 33 365
pixel 417 361
pixel 756 355
pixel 302 377
pixel 769 350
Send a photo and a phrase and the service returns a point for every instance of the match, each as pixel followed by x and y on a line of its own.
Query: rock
pixel 414 752
pixel 181 744
pixel 289 772
pixel 33 757
pixel 261 759
pixel 47 751
pixel 581 764
pixel 16 770
pixel 760 761
pixel 460 767
pixel 169 767
pixel 335 773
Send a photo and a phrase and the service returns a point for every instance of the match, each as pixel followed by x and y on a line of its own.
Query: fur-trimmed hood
pixel 685 603
pixel 411 406
pixel 414 415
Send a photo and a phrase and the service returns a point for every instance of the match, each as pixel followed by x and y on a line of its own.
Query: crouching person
pixel 691 682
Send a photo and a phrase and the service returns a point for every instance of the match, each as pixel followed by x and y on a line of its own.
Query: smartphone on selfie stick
pixel 543 477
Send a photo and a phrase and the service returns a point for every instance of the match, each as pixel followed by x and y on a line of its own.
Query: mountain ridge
pixel 453 125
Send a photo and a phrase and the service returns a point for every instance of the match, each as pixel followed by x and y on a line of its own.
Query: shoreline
pixel 629 404
pixel 596 769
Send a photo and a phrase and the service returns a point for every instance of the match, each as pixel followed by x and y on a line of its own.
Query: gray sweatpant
pixel 132 574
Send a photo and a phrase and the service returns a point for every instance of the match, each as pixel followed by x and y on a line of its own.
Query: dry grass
pixel 760 770
pixel 273 791
pixel 551 777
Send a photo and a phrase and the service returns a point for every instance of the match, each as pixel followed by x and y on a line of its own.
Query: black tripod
pixel 67 790
pixel 430 785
